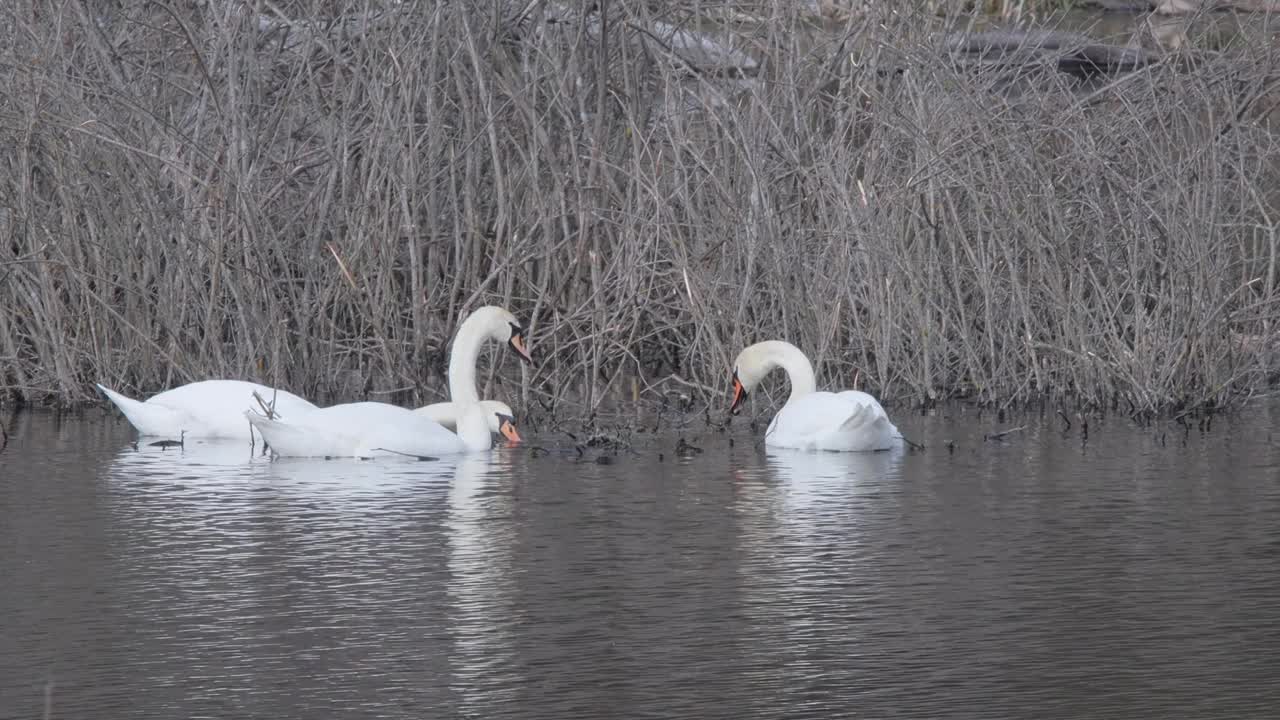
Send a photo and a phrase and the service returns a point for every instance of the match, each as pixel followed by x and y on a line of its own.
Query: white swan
pixel 487 323
pixel 205 409
pixel 372 429
pixel 367 429
pixel 810 420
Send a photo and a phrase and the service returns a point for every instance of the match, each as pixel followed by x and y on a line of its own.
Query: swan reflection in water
pixel 349 559
pixel 227 472
pixel 483 591
pixel 240 507
pixel 797 481
pixel 796 504
pixel 807 530
pixel 208 464
pixel 198 487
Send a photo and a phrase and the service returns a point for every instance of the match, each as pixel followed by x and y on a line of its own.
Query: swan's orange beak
pixel 517 343
pixel 508 430
pixel 739 395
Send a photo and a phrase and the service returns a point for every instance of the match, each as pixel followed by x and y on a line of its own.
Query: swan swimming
pixel 373 429
pixel 811 419
pixel 204 409
pixel 486 323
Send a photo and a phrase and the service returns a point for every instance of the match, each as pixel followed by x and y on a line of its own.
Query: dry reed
pixel 314 196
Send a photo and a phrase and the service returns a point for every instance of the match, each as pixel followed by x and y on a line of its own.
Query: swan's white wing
pixel 804 420
pixel 862 432
pixel 364 429
pixel 223 402
pixel 209 408
pixel 826 421
pixel 300 438
pixel 860 398
pixel 445 413
pixel 409 434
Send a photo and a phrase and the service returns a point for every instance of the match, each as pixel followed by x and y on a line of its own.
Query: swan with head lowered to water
pixel 811 419
pixel 372 429
pixel 216 408
pixel 367 429
pixel 205 409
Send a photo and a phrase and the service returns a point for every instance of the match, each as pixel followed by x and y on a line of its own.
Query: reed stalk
pixel 314 194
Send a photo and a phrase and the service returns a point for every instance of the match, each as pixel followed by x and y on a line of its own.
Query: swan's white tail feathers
pixel 147 419
pixel 856 421
pixel 289 438
pixel 119 400
pixel 267 426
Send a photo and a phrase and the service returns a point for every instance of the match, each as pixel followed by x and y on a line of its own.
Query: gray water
pixel 1132 573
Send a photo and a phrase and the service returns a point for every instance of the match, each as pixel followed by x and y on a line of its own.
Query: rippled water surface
pixel 1135 573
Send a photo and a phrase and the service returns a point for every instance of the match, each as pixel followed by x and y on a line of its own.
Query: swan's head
pixel 499 324
pixel 757 361
pixel 502 420
pixel 749 369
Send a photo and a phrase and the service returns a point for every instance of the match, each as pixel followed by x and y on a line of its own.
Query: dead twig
pixel 1001 435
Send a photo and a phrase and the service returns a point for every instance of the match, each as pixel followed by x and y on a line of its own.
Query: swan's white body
pixel 487 323
pixel 370 429
pixel 205 409
pixel 811 419
pixel 446 413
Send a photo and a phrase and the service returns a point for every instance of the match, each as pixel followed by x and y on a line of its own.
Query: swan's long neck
pixel 462 361
pixel 798 368
pixel 473 428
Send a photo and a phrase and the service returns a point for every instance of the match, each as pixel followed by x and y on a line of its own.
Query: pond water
pixel 1135 572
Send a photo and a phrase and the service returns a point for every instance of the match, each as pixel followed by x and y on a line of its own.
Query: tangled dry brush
pixel 314 193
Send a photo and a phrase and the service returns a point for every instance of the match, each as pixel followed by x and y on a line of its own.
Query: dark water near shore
pixel 1135 573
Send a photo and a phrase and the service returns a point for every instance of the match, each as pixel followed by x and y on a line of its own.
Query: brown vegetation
pixel 193 190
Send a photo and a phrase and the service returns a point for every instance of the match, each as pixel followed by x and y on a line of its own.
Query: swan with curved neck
pixel 811 419
pixel 486 323
pixel 368 429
